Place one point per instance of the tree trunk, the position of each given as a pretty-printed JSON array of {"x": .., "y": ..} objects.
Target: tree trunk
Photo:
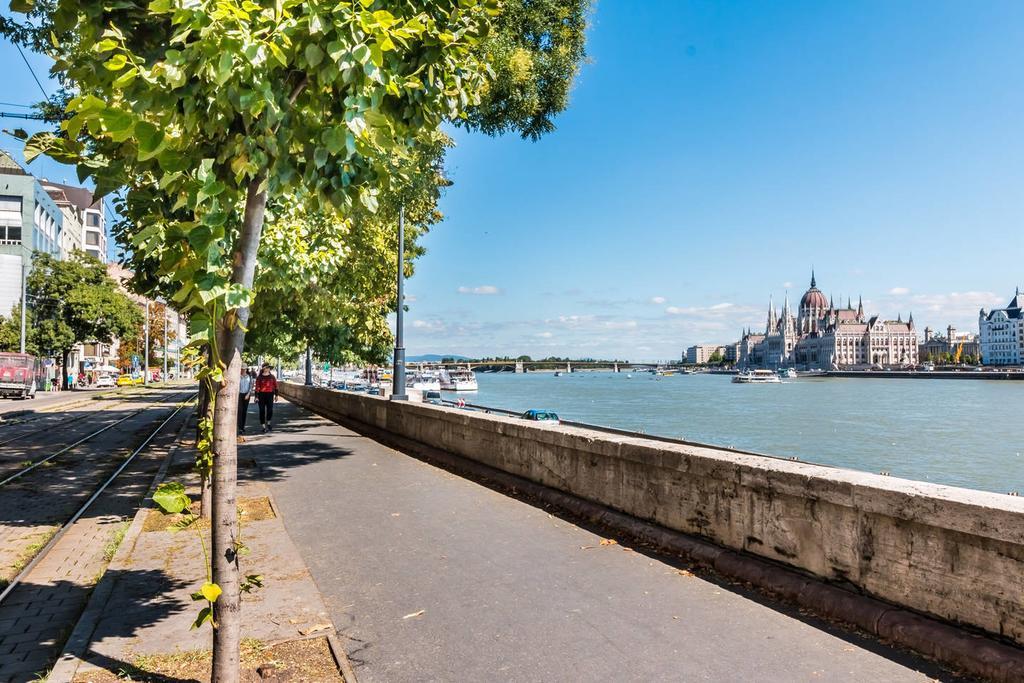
[
  {"x": 230, "y": 341},
  {"x": 64, "y": 364},
  {"x": 205, "y": 493}
]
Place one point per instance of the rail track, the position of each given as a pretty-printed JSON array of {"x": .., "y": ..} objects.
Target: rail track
[
  {"x": 123, "y": 398},
  {"x": 33, "y": 464},
  {"x": 89, "y": 502}
]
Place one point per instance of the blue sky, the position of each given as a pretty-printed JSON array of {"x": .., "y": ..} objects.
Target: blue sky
[{"x": 712, "y": 153}]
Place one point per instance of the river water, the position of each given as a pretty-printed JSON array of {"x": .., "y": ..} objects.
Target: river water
[{"x": 957, "y": 432}]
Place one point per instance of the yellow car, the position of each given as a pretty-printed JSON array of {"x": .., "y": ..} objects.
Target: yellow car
[{"x": 125, "y": 381}]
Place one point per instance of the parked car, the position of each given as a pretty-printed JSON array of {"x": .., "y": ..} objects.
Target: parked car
[
  {"x": 125, "y": 381},
  {"x": 541, "y": 416},
  {"x": 105, "y": 382},
  {"x": 433, "y": 397}
]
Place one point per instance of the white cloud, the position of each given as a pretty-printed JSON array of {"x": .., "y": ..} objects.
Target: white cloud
[
  {"x": 899, "y": 291},
  {"x": 720, "y": 307},
  {"x": 658, "y": 300},
  {"x": 481, "y": 290},
  {"x": 620, "y": 324},
  {"x": 410, "y": 298},
  {"x": 429, "y": 325},
  {"x": 787, "y": 285},
  {"x": 545, "y": 335}
]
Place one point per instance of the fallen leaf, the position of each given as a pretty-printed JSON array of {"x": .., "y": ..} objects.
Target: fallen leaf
[
  {"x": 314, "y": 629},
  {"x": 685, "y": 572},
  {"x": 587, "y": 547},
  {"x": 415, "y": 614},
  {"x": 675, "y": 617},
  {"x": 396, "y": 514},
  {"x": 628, "y": 550},
  {"x": 608, "y": 541}
]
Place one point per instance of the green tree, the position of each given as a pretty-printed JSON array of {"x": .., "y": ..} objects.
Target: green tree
[
  {"x": 75, "y": 301},
  {"x": 716, "y": 358},
  {"x": 10, "y": 332},
  {"x": 207, "y": 111}
]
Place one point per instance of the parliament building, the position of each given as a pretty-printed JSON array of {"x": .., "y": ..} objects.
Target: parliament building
[{"x": 821, "y": 336}]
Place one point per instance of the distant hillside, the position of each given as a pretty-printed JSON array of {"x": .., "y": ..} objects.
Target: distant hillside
[{"x": 433, "y": 357}]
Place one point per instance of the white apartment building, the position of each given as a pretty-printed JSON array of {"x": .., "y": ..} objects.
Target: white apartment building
[
  {"x": 701, "y": 353},
  {"x": 1002, "y": 333}
]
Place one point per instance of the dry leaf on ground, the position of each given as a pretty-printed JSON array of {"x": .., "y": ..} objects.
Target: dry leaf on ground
[
  {"x": 415, "y": 614},
  {"x": 315, "y": 628}
]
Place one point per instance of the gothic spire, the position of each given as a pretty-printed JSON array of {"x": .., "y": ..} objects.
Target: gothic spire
[{"x": 813, "y": 283}]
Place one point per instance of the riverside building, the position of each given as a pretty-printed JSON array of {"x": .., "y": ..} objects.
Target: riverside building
[
  {"x": 1002, "y": 333},
  {"x": 822, "y": 336}
]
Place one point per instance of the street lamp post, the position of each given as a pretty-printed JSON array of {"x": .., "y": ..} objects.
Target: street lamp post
[
  {"x": 24, "y": 299},
  {"x": 164, "y": 376},
  {"x": 398, "y": 371},
  {"x": 145, "y": 350},
  {"x": 309, "y": 366}
]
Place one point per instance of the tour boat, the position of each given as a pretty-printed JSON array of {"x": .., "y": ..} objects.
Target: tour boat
[
  {"x": 756, "y": 377},
  {"x": 788, "y": 373},
  {"x": 423, "y": 381},
  {"x": 458, "y": 380}
]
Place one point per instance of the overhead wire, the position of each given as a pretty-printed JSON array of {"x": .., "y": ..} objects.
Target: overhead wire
[{"x": 32, "y": 71}]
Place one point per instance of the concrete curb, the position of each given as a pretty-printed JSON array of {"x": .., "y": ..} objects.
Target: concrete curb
[
  {"x": 71, "y": 657},
  {"x": 966, "y": 651},
  {"x": 341, "y": 658}
]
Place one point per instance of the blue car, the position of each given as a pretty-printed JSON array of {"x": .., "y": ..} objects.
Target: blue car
[{"x": 541, "y": 416}]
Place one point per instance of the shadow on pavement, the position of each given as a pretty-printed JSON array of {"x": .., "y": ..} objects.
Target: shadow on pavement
[{"x": 37, "y": 619}]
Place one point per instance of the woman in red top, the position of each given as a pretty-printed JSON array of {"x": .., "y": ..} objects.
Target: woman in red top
[{"x": 266, "y": 394}]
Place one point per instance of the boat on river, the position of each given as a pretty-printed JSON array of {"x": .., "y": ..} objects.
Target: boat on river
[
  {"x": 757, "y": 377},
  {"x": 788, "y": 373},
  {"x": 462, "y": 379},
  {"x": 423, "y": 381}
]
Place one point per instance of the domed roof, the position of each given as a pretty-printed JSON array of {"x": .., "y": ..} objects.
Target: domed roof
[{"x": 813, "y": 297}]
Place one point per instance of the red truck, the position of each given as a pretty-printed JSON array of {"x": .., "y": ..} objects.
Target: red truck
[{"x": 21, "y": 375}]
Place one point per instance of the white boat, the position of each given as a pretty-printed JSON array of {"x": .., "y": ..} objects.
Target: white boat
[
  {"x": 458, "y": 380},
  {"x": 423, "y": 381},
  {"x": 756, "y": 377},
  {"x": 788, "y": 373}
]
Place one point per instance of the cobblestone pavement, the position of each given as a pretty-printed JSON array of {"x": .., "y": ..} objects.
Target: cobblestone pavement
[{"x": 39, "y": 613}]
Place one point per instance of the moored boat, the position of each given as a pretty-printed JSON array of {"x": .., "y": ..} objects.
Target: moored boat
[{"x": 458, "y": 380}]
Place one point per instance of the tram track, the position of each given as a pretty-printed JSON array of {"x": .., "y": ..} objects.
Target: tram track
[
  {"x": 60, "y": 533},
  {"x": 63, "y": 423},
  {"x": 34, "y": 463}
]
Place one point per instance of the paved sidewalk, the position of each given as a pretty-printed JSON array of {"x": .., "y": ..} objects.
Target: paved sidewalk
[
  {"x": 432, "y": 577},
  {"x": 146, "y": 620}
]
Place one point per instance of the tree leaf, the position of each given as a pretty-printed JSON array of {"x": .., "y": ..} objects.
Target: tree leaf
[
  {"x": 210, "y": 591},
  {"x": 151, "y": 139},
  {"x": 205, "y": 615},
  {"x": 314, "y": 55},
  {"x": 171, "y": 498}
]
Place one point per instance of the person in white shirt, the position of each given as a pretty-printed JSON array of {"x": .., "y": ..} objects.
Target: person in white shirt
[{"x": 244, "y": 394}]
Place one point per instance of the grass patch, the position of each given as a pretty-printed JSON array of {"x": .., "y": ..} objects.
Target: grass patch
[
  {"x": 297, "y": 661},
  {"x": 249, "y": 510},
  {"x": 115, "y": 540}
]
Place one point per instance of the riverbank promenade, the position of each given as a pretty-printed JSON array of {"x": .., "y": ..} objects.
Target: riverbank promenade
[{"x": 431, "y": 576}]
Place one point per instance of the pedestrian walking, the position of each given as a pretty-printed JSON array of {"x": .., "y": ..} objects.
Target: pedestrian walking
[
  {"x": 244, "y": 394},
  {"x": 266, "y": 394}
]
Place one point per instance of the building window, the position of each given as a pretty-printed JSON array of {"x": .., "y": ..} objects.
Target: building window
[
  {"x": 92, "y": 238},
  {"x": 92, "y": 219},
  {"x": 10, "y": 234}
]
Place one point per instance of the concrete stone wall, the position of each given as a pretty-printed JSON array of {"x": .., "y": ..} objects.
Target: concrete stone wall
[{"x": 953, "y": 553}]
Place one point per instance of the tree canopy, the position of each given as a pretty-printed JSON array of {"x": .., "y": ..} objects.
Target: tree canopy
[{"x": 72, "y": 301}]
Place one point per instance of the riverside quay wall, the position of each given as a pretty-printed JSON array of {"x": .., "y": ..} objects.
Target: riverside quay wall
[{"x": 953, "y": 553}]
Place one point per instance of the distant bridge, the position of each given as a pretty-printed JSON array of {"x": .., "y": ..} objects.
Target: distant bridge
[{"x": 536, "y": 365}]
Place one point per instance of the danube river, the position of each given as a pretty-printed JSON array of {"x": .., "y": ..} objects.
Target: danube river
[{"x": 957, "y": 432}]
